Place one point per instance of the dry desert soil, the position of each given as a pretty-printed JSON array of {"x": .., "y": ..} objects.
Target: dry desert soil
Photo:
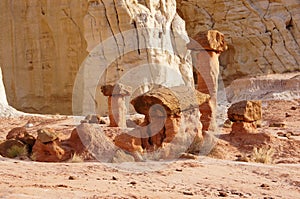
[{"x": 216, "y": 175}]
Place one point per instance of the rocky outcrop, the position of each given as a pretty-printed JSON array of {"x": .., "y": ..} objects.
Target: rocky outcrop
[
  {"x": 116, "y": 103},
  {"x": 43, "y": 44},
  {"x": 245, "y": 115},
  {"x": 247, "y": 111},
  {"x": 18, "y": 143},
  {"x": 41, "y": 48},
  {"x": 263, "y": 36},
  {"x": 207, "y": 47},
  {"x": 142, "y": 45},
  {"x": 5, "y": 109},
  {"x": 172, "y": 123},
  {"x": 270, "y": 87}
]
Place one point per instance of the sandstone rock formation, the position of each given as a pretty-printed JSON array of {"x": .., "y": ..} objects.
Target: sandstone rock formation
[
  {"x": 142, "y": 44},
  {"x": 43, "y": 43},
  {"x": 18, "y": 143},
  {"x": 21, "y": 134},
  {"x": 12, "y": 148},
  {"x": 269, "y": 87},
  {"x": 42, "y": 47},
  {"x": 247, "y": 111},
  {"x": 116, "y": 103},
  {"x": 207, "y": 47},
  {"x": 244, "y": 116},
  {"x": 263, "y": 36},
  {"x": 49, "y": 152},
  {"x": 5, "y": 109},
  {"x": 172, "y": 122}
]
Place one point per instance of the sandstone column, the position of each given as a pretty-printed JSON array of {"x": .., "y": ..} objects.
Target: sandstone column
[
  {"x": 116, "y": 103},
  {"x": 208, "y": 46}
]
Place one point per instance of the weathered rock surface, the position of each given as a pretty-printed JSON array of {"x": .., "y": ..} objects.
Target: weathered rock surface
[
  {"x": 46, "y": 135},
  {"x": 245, "y": 115},
  {"x": 74, "y": 144},
  {"x": 245, "y": 111},
  {"x": 96, "y": 142},
  {"x": 172, "y": 122},
  {"x": 5, "y": 109},
  {"x": 42, "y": 47},
  {"x": 175, "y": 100},
  {"x": 117, "y": 110},
  {"x": 49, "y": 152},
  {"x": 8, "y": 147},
  {"x": 243, "y": 127},
  {"x": 263, "y": 36},
  {"x": 43, "y": 44},
  {"x": 207, "y": 47},
  {"x": 269, "y": 87},
  {"x": 21, "y": 134},
  {"x": 211, "y": 40}
]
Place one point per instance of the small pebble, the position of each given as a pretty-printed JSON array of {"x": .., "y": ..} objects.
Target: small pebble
[
  {"x": 223, "y": 194},
  {"x": 264, "y": 185},
  {"x": 133, "y": 183},
  {"x": 293, "y": 108},
  {"x": 188, "y": 193},
  {"x": 71, "y": 178}
]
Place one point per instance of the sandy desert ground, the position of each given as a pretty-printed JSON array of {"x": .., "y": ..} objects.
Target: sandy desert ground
[{"x": 214, "y": 176}]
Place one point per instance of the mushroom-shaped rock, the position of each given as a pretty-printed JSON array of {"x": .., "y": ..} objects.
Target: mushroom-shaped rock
[
  {"x": 116, "y": 103},
  {"x": 172, "y": 119},
  {"x": 174, "y": 100},
  {"x": 208, "y": 46}
]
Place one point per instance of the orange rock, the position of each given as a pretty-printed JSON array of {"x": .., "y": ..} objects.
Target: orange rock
[
  {"x": 243, "y": 128},
  {"x": 211, "y": 40},
  {"x": 49, "y": 152},
  {"x": 116, "y": 103},
  {"x": 208, "y": 45},
  {"x": 73, "y": 144},
  {"x": 245, "y": 111},
  {"x": 128, "y": 143}
]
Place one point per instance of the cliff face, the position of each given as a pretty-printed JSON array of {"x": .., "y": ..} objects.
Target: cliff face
[
  {"x": 263, "y": 35},
  {"x": 44, "y": 42},
  {"x": 41, "y": 49}
]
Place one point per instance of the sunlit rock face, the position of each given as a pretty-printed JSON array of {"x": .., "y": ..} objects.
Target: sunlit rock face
[
  {"x": 44, "y": 43},
  {"x": 41, "y": 49},
  {"x": 263, "y": 35}
]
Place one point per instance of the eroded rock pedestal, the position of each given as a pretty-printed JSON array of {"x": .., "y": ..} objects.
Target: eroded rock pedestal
[
  {"x": 208, "y": 46},
  {"x": 245, "y": 115},
  {"x": 116, "y": 103},
  {"x": 172, "y": 122}
]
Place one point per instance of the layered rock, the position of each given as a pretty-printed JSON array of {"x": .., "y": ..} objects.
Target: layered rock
[
  {"x": 140, "y": 44},
  {"x": 41, "y": 49},
  {"x": 207, "y": 47},
  {"x": 172, "y": 122},
  {"x": 263, "y": 36},
  {"x": 245, "y": 115},
  {"x": 269, "y": 87},
  {"x": 43, "y": 44},
  {"x": 116, "y": 103}
]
